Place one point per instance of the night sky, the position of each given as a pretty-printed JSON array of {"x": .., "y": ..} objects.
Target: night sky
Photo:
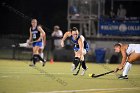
[
  {"x": 48, "y": 13},
  {"x": 131, "y": 6}
]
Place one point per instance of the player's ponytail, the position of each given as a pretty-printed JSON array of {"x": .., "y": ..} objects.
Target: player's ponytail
[
  {"x": 118, "y": 44},
  {"x": 74, "y": 29}
]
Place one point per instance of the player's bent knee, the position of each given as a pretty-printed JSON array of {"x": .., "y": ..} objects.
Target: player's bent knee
[
  {"x": 131, "y": 60},
  {"x": 84, "y": 52},
  {"x": 77, "y": 55},
  {"x": 82, "y": 58}
]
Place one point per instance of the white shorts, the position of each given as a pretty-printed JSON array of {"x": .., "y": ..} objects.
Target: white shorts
[
  {"x": 84, "y": 52},
  {"x": 57, "y": 42},
  {"x": 137, "y": 48},
  {"x": 133, "y": 48}
]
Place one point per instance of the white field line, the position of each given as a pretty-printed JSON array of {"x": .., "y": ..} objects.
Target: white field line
[
  {"x": 5, "y": 76},
  {"x": 33, "y": 73},
  {"x": 48, "y": 73},
  {"x": 90, "y": 90}
]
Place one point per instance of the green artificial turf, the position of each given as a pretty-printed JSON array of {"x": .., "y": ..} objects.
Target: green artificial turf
[{"x": 17, "y": 77}]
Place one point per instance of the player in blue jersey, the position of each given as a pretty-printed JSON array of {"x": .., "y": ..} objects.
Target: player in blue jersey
[
  {"x": 36, "y": 35},
  {"x": 81, "y": 47}
]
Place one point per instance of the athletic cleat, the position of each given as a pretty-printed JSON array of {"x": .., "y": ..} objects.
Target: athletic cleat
[
  {"x": 31, "y": 65},
  {"x": 41, "y": 61},
  {"x": 83, "y": 72},
  {"x": 43, "y": 64},
  {"x": 123, "y": 77},
  {"x": 73, "y": 68}
]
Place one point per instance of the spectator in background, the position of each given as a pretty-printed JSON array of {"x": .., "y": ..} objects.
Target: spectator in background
[
  {"x": 73, "y": 12},
  {"x": 121, "y": 13},
  {"x": 57, "y": 34},
  {"x": 112, "y": 14}
]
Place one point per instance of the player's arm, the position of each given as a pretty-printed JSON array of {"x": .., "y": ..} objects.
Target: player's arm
[
  {"x": 124, "y": 57},
  {"x": 42, "y": 33},
  {"x": 81, "y": 44},
  {"x": 30, "y": 37},
  {"x": 67, "y": 34},
  {"x": 53, "y": 34},
  {"x": 44, "y": 40}
]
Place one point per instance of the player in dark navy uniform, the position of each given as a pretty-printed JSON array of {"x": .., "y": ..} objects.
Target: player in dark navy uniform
[
  {"x": 36, "y": 35},
  {"x": 81, "y": 47}
]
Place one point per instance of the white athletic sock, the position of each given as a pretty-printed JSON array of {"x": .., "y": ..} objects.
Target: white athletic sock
[
  {"x": 126, "y": 68},
  {"x": 42, "y": 55}
]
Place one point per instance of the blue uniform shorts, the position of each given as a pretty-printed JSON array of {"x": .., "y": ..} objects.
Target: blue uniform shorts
[
  {"x": 39, "y": 43},
  {"x": 77, "y": 48}
]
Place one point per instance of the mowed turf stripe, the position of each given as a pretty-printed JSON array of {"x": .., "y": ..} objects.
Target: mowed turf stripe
[
  {"x": 48, "y": 72},
  {"x": 33, "y": 73},
  {"x": 90, "y": 90}
]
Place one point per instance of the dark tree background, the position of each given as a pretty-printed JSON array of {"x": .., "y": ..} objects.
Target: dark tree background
[
  {"x": 132, "y": 7},
  {"x": 48, "y": 13}
]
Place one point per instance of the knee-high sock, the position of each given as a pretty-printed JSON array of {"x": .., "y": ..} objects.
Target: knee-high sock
[
  {"x": 76, "y": 61},
  {"x": 34, "y": 58},
  {"x": 42, "y": 55},
  {"x": 126, "y": 68},
  {"x": 84, "y": 64},
  {"x": 39, "y": 57}
]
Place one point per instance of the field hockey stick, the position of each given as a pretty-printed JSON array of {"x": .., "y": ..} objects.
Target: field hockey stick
[
  {"x": 95, "y": 76},
  {"x": 78, "y": 70},
  {"x": 23, "y": 44},
  {"x": 26, "y": 44},
  {"x": 33, "y": 42}
]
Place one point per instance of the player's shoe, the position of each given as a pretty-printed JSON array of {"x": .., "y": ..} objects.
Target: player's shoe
[
  {"x": 73, "y": 68},
  {"x": 123, "y": 77},
  {"x": 83, "y": 72},
  {"x": 43, "y": 63},
  {"x": 31, "y": 65}
]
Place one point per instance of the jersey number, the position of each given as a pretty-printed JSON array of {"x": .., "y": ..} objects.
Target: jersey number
[{"x": 34, "y": 36}]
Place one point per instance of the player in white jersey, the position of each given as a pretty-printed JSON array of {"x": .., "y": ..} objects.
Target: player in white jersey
[{"x": 130, "y": 53}]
